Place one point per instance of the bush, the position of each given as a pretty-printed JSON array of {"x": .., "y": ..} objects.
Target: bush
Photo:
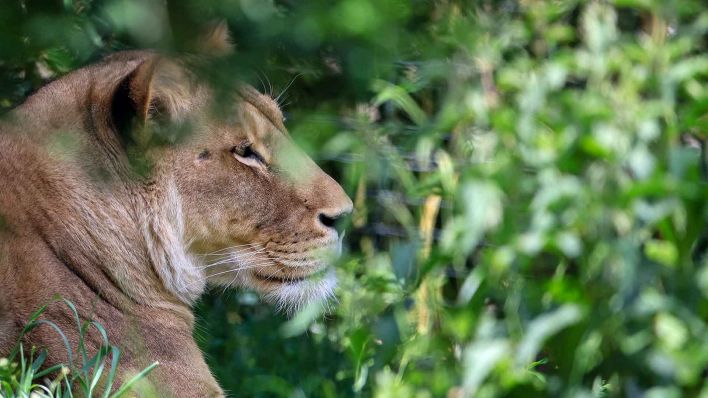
[{"x": 529, "y": 181}]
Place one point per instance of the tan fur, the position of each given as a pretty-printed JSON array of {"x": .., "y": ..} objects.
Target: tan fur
[{"x": 134, "y": 251}]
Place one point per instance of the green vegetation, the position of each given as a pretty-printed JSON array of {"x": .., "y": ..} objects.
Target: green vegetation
[
  {"x": 529, "y": 180},
  {"x": 89, "y": 375}
]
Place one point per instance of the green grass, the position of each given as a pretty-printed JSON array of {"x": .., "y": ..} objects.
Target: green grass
[{"x": 24, "y": 374}]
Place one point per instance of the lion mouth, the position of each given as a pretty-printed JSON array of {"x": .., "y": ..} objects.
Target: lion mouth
[
  {"x": 278, "y": 279},
  {"x": 288, "y": 279}
]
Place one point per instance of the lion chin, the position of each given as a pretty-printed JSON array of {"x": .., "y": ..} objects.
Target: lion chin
[
  {"x": 289, "y": 285},
  {"x": 291, "y": 296}
]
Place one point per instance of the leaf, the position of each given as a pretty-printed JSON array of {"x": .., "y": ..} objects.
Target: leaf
[
  {"x": 399, "y": 97},
  {"x": 543, "y": 327},
  {"x": 480, "y": 358},
  {"x": 127, "y": 386}
]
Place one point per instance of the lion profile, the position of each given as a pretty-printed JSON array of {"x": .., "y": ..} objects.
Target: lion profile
[{"x": 234, "y": 202}]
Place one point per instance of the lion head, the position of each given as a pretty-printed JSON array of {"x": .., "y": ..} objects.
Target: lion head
[{"x": 239, "y": 203}]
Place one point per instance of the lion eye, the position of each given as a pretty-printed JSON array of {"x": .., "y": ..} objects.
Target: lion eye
[{"x": 246, "y": 154}]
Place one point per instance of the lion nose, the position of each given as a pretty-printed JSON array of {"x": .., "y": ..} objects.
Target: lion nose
[{"x": 329, "y": 218}]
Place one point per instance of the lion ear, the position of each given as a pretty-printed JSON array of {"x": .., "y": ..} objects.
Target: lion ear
[
  {"x": 216, "y": 40},
  {"x": 133, "y": 100}
]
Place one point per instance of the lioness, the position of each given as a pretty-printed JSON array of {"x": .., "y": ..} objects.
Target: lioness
[{"x": 233, "y": 203}]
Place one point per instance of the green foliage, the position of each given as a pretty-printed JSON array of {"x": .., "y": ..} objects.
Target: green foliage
[
  {"x": 91, "y": 375},
  {"x": 529, "y": 220}
]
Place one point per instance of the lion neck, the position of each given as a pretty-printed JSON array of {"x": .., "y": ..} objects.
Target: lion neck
[
  {"x": 123, "y": 237},
  {"x": 130, "y": 234},
  {"x": 163, "y": 233}
]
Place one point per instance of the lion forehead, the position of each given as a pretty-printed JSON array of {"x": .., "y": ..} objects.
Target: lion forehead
[{"x": 263, "y": 104}]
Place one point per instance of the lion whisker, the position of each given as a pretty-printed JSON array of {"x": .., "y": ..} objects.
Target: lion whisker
[
  {"x": 246, "y": 246},
  {"x": 237, "y": 252},
  {"x": 256, "y": 265},
  {"x": 258, "y": 75},
  {"x": 231, "y": 259},
  {"x": 287, "y": 87},
  {"x": 224, "y": 261},
  {"x": 270, "y": 86},
  {"x": 234, "y": 270},
  {"x": 234, "y": 255}
]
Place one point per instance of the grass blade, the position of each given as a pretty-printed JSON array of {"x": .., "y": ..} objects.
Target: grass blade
[{"x": 129, "y": 385}]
